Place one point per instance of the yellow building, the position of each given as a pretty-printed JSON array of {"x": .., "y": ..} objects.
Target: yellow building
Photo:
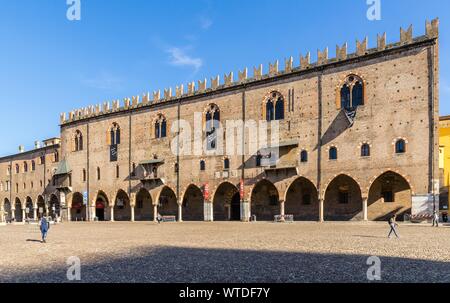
[{"x": 444, "y": 161}]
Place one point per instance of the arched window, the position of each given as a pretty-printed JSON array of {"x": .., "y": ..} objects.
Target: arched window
[
  {"x": 365, "y": 150},
  {"x": 333, "y": 153},
  {"x": 25, "y": 167},
  {"x": 275, "y": 107},
  {"x": 17, "y": 168},
  {"x": 78, "y": 141},
  {"x": 352, "y": 92},
  {"x": 160, "y": 127},
  {"x": 400, "y": 146},
  {"x": 33, "y": 165},
  {"x": 304, "y": 156},
  {"x": 212, "y": 124},
  {"x": 56, "y": 156},
  {"x": 202, "y": 165},
  {"x": 115, "y": 134},
  {"x": 226, "y": 164}
]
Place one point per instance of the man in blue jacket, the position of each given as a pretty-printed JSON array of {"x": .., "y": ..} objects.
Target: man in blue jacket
[{"x": 44, "y": 226}]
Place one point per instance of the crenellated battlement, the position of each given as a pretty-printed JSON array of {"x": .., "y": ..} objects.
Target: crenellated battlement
[{"x": 362, "y": 49}]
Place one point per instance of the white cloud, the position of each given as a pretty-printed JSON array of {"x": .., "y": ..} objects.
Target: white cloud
[
  {"x": 205, "y": 22},
  {"x": 178, "y": 57},
  {"x": 104, "y": 81}
]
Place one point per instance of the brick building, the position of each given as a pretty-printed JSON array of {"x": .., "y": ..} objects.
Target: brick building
[{"x": 356, "y": 140}]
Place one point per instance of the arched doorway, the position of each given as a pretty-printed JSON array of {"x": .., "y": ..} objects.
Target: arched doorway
[
  {"x": 55, "y": 207},
  {"x": 29, "y": 209},
  {"x": 193, "y": 204},
  {"x": 390, "y": 194},
  {"x": 343, "y": 200},
  {"x": 101, "y": 207},
  {"x": 122, "y": 207},
  {"x": 144, "y": 206},
  {"x": 42, "y": 210},
  {"x": 265, "y": 202},
  {"x": 78, "y": 209},
  {"x": 167, "y": 203},
  {"x": 8, "y": 210},
  {"x": 227, "y": 203},
  {"x": 18, "y": 215},
  {"x": 302, "y": 201}
]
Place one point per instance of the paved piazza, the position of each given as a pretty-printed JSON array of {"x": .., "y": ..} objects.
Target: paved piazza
[{"x": 225, "y": 252}]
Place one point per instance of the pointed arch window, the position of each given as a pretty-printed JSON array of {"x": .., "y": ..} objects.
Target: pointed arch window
[
  {"x": 17, "y": 168},
  {"x": 333, "y": 153},
  {"x": 352, "y": 92},
  {"x": 202, "y": 165},
  {"x": 33, "y": 165},
  {"x": 275, "y": 107},
  {"x": 226, "y": 164},
  {"x": 78, "y": 141},
  {"x": 160, "y": 127},
  {"x": 212, "y": 124},
  {"x": 25, "y": 167},
  {"x": 115, "y": 134}
]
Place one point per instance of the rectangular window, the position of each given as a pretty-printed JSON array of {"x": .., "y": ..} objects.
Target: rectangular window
[{"x": 343, "y": 197}]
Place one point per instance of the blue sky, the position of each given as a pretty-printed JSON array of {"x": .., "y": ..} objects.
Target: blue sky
[{"x": 119, "y": 48}]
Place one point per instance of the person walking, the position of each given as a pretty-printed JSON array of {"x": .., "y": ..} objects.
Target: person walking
[
  {"x": 393, "y": 226},
  {"x": 44, "y": 226},
  {"x": 159, "y": 218},
  {"x": 436, "y": 219}
]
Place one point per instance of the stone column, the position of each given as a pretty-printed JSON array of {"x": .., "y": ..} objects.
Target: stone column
[
  {"x": 35, "y": 213},
  {"x": 2, "y": 214},
  {"x": 180, "y": 213},
  {"x": 282, "y": 211},
  {"x": 321, "y": 210},
  {"x": 155, "y": 213},
  {"x": 93, "y": 214},
  {"x": 132, "y": 213},
  {"x": 24, "y": 214},
  {"x": 69, "y": 211},
  {"x": 112, "y": 214},
  {"x": 208, "y": 211},
  {"x": 245, "y": 211},
  {"x": 365, "y": 211},
  {"x": 13, "y": 214}
]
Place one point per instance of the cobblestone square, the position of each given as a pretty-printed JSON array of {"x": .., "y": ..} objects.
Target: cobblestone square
[{"x": 224, "y": 252}]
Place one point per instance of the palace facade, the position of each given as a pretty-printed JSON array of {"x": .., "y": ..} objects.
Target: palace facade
[{"x": 358, "y": 140}]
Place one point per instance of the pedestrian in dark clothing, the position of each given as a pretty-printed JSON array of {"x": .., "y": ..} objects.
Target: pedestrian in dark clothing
[
  {"x": 393, "y": 226},
  {"x": 44, "y": 226}
]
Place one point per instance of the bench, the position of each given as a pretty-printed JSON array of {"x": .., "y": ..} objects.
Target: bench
[
  {"x": 169, "y": 219},
  {"x": 285, "y": 218},
  {"x": 419, "y": 218}
]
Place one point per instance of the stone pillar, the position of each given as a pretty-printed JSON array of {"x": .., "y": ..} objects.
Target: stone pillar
[
  {"x": 112, "y": 214},
  {"x": 2, "y": 214},
  {"x": 35, "y": 213},
  {"x": 208, "y": 211},
  {"x": 245, "y": 211},
  {"x": 69, "y": 211},
  {"x": 282, "y": 212},
  {"x": 132, "y": 213},
  {"x": 24, "y": 214},
  {"x": 155, "y": 213},
  {"x": 93, "y": 214},
  {"x": 180, "y": 213},
  {"x": 321, "y": 211},
  {"x": 13, "y": 214},
  {"x": 365, "y": 210}
]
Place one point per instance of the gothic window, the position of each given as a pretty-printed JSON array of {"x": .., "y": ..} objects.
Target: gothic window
[
  {"x": 25, "y": 167},
  {"x": 17, "y": 168},
  {"x": 365, "y": 150},
  {"x": 275, "y": 107},
  {"x": 78, "y": 141},
  {"x": 212, "y": 124},
  {"x": 304, "y": 156},
  {"x": 56, "y": 157},
  {"x": 114, "y": 134},
  {"x": 33, "y": 165},
  {"x": 160, "y": 127},
  {"x": 42, "y": 160},
  {"x": 400, "y": 146},
  {"x": 202, "y": 165},
  {"x": 352, "y": 92},
  {"x": 333, "y": 153}
]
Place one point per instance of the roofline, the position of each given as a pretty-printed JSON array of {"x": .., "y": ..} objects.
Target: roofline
[
  {"x": 267, "y": 79},
  {"x": 10, "y": 157}
]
